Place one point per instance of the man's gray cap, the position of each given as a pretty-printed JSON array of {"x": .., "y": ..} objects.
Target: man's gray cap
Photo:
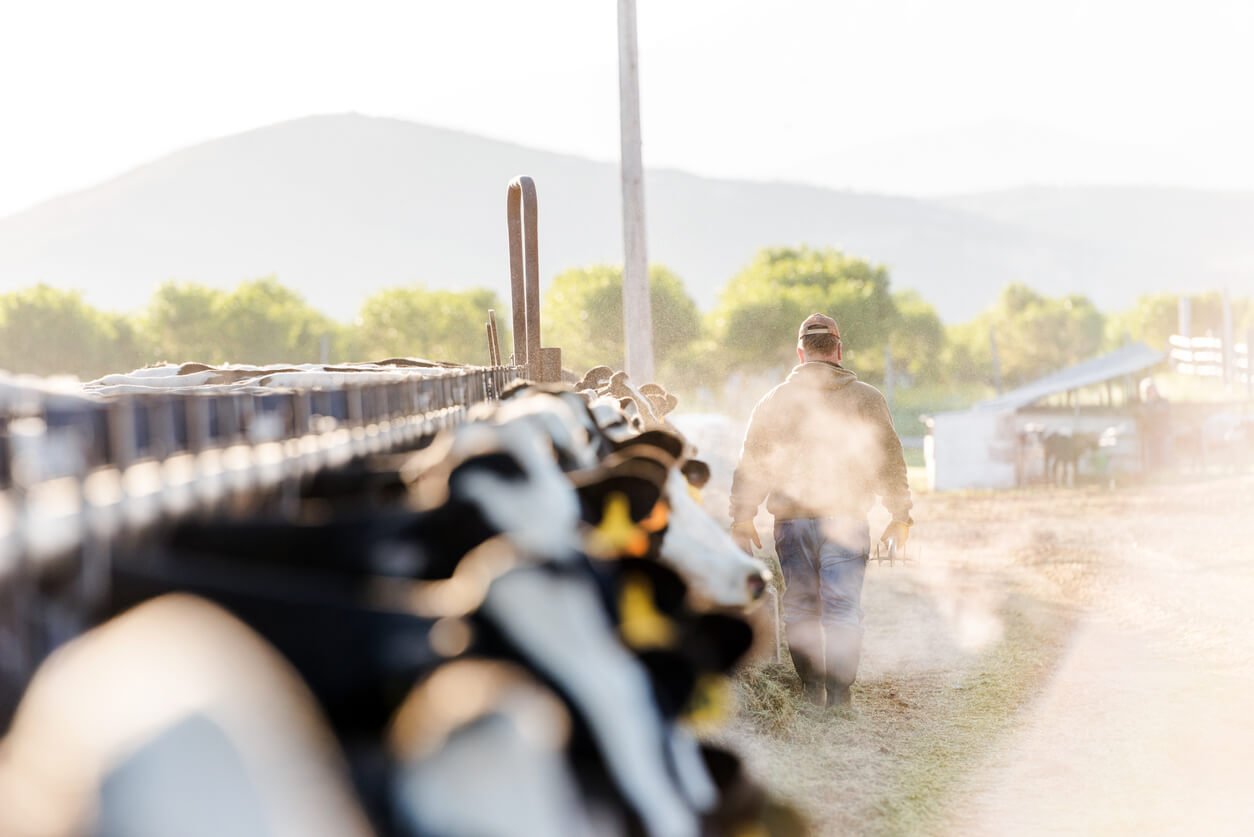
[{"x": 818, "y": 324}]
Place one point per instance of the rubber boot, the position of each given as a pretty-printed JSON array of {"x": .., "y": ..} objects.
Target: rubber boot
[
  {"x": 843, "y": 652},
  {"x": 812, "y": 684},
  {"x": 805, "y": 646}
]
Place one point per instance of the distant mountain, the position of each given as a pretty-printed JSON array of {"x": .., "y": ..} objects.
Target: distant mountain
[
  {"x": 980, "y": 157},
  {"x": 1139, "y": 237},
  {"x": 340, "y": 206}
]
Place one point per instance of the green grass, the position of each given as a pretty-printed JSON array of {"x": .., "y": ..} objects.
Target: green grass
[{"x": 896, "y": 764}]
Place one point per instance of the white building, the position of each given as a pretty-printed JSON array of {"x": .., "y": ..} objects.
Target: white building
[{"x": 996, "y": 443}]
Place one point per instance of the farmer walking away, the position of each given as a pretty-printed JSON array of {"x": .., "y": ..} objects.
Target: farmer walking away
[{"x": 819, "y": 448}]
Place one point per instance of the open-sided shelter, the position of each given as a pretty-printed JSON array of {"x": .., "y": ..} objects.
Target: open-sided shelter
[{"x": 997, "y": 443}]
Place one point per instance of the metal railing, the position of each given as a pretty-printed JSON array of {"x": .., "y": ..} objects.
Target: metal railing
[
  {"x": 80, "y": 477},
  {"x": 68, "y": 463}
]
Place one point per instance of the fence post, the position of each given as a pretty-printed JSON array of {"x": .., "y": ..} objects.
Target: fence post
[
  {"x": 1249, "y": 364},
  {"x": 524, "y": 266},
  {"x": 494, "y": 340},
  {"x": 1229, "y": 355}
]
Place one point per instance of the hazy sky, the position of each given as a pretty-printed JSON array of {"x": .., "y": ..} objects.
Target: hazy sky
[{"x": 909, "y": 96}]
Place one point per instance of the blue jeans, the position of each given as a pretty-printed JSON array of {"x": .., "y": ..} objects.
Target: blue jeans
[{"x": 824, "y": 563}]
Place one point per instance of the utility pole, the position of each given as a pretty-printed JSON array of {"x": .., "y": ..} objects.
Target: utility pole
[{"x": 637, "y": 316}]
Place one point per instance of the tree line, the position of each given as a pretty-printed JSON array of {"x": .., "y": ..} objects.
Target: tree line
[
  {"x": 49, "y": 331},
  {"x": 1022, "y": 335}
]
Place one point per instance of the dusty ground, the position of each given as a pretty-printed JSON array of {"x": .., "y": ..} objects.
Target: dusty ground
[{"x": 1058, "y": 661}]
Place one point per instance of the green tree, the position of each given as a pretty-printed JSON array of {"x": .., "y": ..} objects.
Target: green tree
[
  {"x": 917, "y": 339},
  {"x": 1034, "y": 335},
  {"x": 439, "y": 325},
  {"x": 257, "y": 321},
  {"x": 582, "y": 312},
  {"x": 756, "y": 319},
  {"x": 261, "y": 321},
  {"x": 48, "y": 331},
  {"x": 181, "y": 323}
]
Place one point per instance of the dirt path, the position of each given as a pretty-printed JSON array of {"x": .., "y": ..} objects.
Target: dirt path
[
  {"x": 1147, "y": 726},
  {"x": 1058, "y": 662}
]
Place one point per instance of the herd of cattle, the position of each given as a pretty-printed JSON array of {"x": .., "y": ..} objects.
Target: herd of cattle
[{"x": 521, "y": 628}]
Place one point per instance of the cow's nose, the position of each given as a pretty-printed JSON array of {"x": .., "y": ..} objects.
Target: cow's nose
[{"x": 757, "y": 586}]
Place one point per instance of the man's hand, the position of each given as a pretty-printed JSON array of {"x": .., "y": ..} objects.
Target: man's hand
[
  {"x": 898, "y": 533},
  {"x": 744, "y": 534}
]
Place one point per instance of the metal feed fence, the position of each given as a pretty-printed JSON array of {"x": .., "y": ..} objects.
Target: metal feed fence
[
  {"x": 97, "y": 466},
  {"x": 79, "y": 476}
]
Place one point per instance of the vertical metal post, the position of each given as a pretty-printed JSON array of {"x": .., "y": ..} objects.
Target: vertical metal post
[
  {"x": 637, "y": 315},
  {"x": 1184, "y": 316},
  {"x": 517, "y": 286},
  {"x": 524, "y": 265},
  {"x": 1229, "y": 348},
  {"x": 1249, "y": 364},
  {"x": 121, "y": 428},
  {"x": 524, "y": 270},
  {"x": 494, "y": 340}
]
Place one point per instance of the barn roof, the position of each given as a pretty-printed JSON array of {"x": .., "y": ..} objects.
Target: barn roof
[{"x": 1127, "y": 360}]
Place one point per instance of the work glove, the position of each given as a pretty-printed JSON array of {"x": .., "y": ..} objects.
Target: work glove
[
  {"x": 898, "y": 533},
  {"x": 745, "y": 533}
]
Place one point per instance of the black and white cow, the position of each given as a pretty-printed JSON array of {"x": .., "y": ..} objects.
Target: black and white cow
[
  {"x": 717, "y": 571},
  {"x": 474, "y": 553},
  {"x": 495, "y": 494}
]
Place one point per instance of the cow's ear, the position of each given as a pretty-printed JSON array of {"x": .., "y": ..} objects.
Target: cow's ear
[
  {"x": 697, "y": 473},
  {"x": 641, "y": 493},
  {"x": 662, "y": 439},
  {"x": 595, "y": 378},
  {"x": 520, "y": 387}
]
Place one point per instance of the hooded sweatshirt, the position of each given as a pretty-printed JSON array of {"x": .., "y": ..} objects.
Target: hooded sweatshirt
[{"x": 820, "y": 444}]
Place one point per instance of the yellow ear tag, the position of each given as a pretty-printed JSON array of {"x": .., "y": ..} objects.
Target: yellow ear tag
[
  {"x": 659, "y": 517},
  {"x": 639, "y": 622},
  {"x": 710, "y": 704},
  {"x": 617, "y": 534},
  {"x": 694, "y": 492}
]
